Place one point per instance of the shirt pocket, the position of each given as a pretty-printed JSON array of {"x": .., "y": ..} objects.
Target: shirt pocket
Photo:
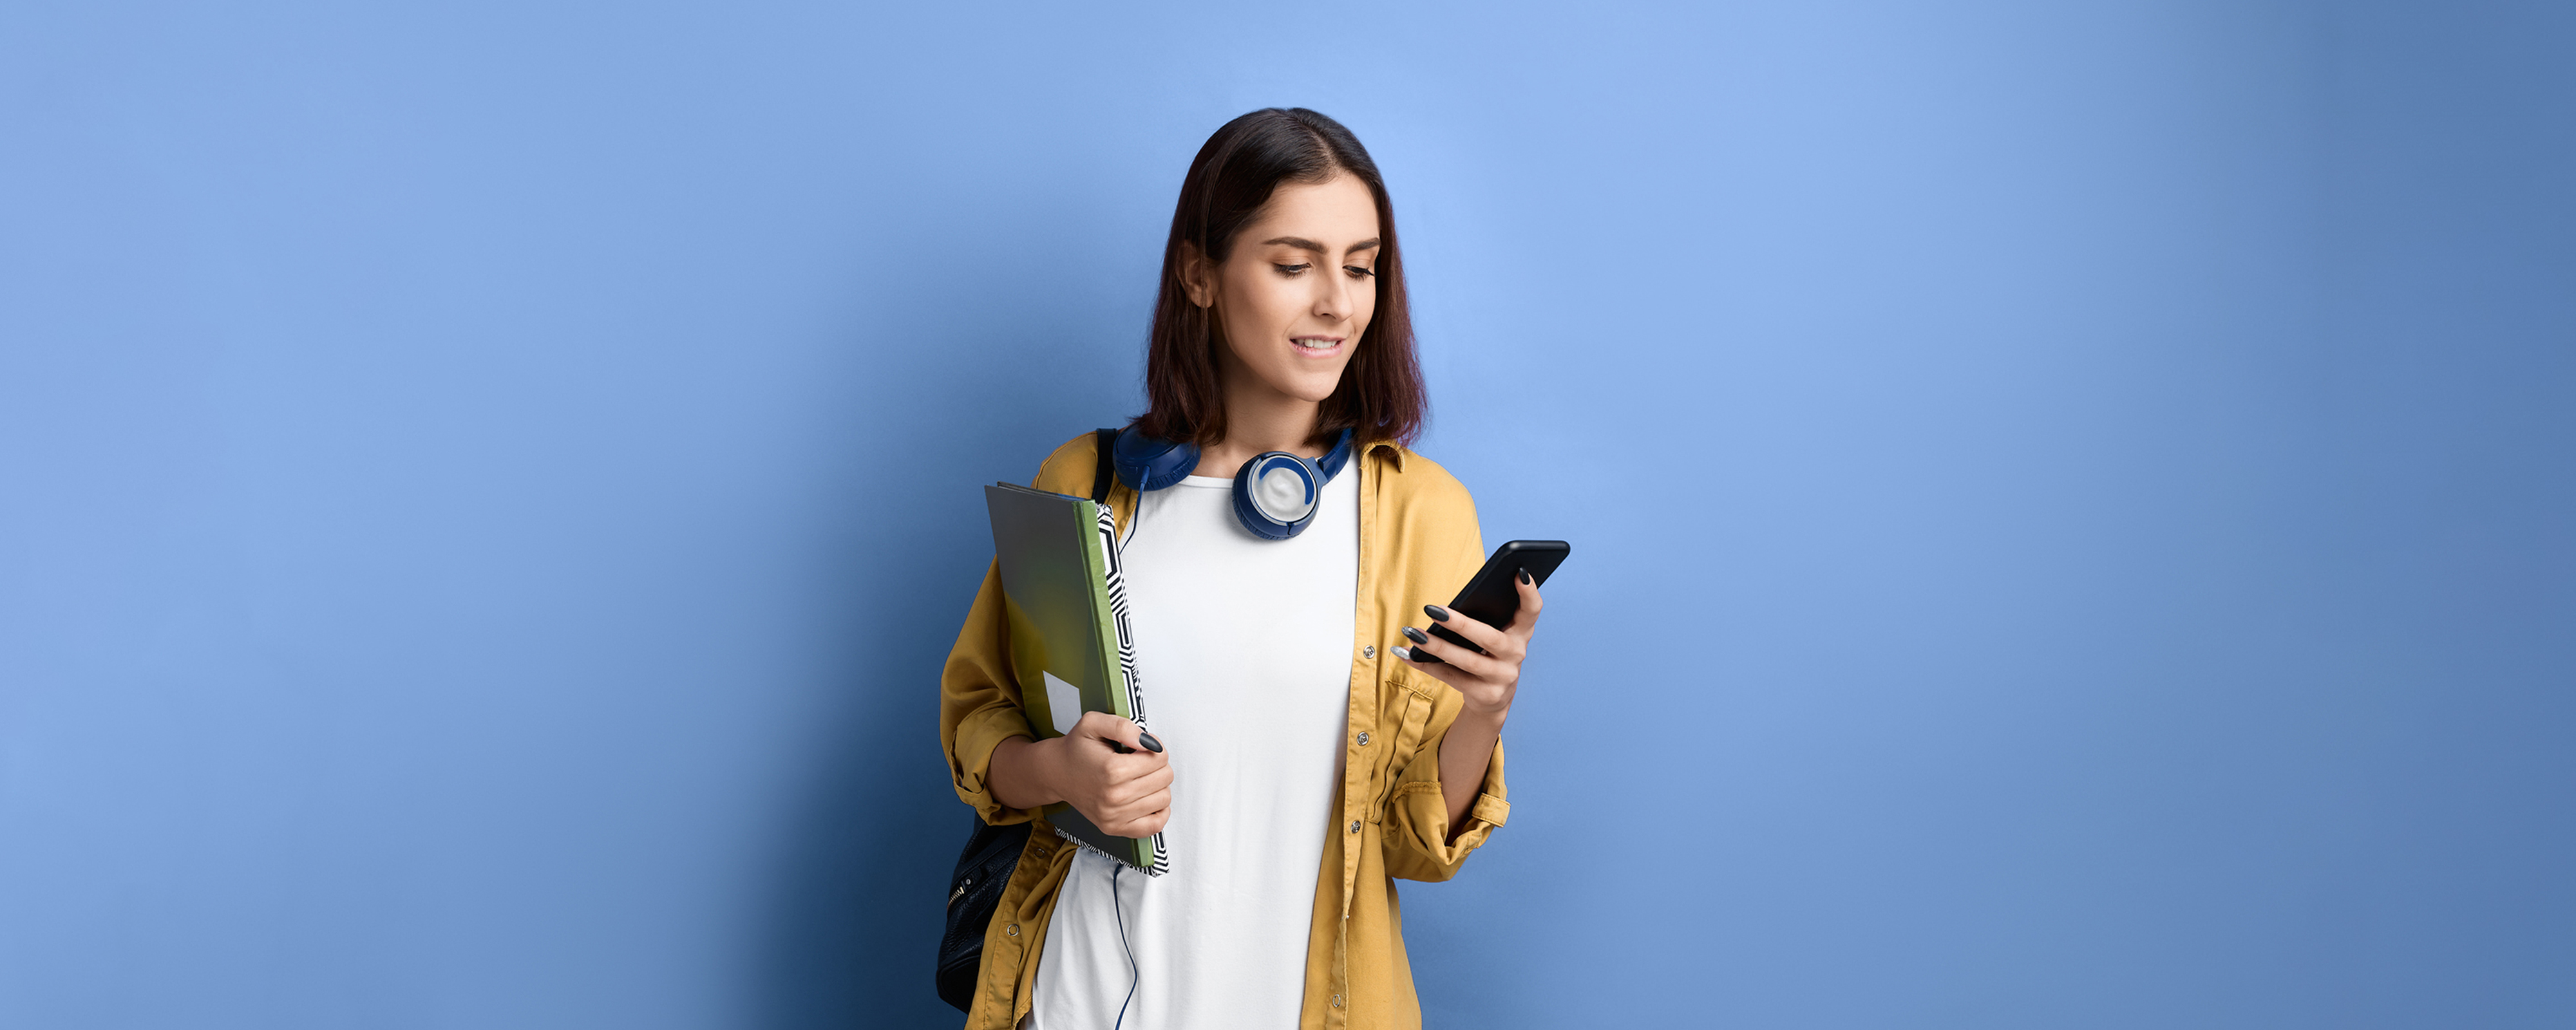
[{"x": 1403, "y": 713}]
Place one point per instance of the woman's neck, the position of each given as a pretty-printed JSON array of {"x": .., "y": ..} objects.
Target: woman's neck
[{"x": 1258, "y": 420}]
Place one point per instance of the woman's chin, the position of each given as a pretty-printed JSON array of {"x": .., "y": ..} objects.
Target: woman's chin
[
  {"x": 1316, "y": 389},
  {"x": 1304, "y": 381}
]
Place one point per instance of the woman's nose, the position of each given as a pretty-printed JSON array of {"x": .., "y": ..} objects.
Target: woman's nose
[{"x": 1335, "y": 303}]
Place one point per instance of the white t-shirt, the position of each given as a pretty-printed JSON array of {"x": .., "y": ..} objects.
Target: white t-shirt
[{"x": 1244, "y": 649}]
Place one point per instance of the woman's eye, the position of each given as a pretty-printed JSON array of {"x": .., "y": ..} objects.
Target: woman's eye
[
  {"x": 1359, "y": 273},
  {"x": 1291, "y": 269}
]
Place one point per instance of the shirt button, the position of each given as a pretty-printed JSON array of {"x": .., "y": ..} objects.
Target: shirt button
[
  {"x": 1012, "y": 930},
  {"x": 1337, "y": 1001},
  {"x": 1355, "y": 826},
  {"x": 1363, "y": 738},
  {"x": 1368, "y": 650}
]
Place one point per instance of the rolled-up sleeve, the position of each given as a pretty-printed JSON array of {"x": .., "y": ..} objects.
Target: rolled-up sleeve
[
  {"x": 1417, "y": 840},
  {"x": 979, "y": 703}
]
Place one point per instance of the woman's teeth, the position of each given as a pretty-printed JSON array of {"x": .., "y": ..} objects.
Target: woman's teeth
[{"x": 1314, "y": 344}]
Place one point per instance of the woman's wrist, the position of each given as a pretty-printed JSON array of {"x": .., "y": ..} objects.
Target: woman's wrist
[
  {"x": 1486, "y": 718},
  {"x": 1024, "y": 773}
]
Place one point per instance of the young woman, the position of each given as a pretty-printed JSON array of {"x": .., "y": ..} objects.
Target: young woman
[{"x": 1307, "y": 757}]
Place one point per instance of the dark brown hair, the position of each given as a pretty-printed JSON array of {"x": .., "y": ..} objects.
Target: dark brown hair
[{"x": 1232, "y": 178}]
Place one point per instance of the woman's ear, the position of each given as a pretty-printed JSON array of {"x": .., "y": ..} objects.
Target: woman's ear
[{"x": 1198, "y": 275}]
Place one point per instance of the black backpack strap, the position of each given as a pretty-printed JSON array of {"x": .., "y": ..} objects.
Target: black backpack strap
[{"x": 1107, "y": 472}]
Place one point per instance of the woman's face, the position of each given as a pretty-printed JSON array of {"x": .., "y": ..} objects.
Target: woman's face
[{"x": 1296, "y": 293}]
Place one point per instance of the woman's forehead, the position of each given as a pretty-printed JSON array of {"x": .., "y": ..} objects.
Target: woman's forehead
[{"x": 1336, "y": 213}]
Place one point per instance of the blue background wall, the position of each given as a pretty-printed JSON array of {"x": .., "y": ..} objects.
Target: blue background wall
[{"x": 2075, "y": 504}]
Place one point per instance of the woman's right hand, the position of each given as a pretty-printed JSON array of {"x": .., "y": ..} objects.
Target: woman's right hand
[{"x": 1127, "y": 795}]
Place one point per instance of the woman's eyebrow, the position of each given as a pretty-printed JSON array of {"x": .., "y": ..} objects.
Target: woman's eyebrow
[{"x": 1303, "y": 243}]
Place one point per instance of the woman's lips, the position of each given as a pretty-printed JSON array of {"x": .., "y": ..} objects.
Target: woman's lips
[{"x": 1317, "y": 346}]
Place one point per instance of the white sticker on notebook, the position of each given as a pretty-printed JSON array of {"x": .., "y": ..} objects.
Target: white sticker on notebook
[{"x": 1064, "y": 703}]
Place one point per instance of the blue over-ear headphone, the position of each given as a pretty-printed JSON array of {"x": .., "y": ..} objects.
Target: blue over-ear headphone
[{"x": 1275, "y": 493}]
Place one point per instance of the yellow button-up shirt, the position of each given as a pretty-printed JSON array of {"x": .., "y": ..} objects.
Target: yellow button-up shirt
[{"x": 1418, "y": 544}]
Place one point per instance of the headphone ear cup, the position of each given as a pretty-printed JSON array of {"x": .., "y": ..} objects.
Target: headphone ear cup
[
  {"x": 1145, "y": 463},
  {"x": 1276, "y": 495}
]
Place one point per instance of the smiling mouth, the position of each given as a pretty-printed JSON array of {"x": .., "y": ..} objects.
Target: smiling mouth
[{"x": 1317, "y": 345}]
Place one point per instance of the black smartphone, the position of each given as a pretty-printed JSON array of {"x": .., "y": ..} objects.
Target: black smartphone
[{"x": 1492, "y": 598}]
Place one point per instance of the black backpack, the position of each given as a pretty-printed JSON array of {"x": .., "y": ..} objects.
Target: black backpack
[{"x": 992, "y": 852}]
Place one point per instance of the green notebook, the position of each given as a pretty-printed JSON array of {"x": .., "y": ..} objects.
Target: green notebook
[{"x": 1067, "y": 608}]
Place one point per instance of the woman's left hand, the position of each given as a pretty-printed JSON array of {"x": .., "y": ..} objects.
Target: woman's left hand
[{"x": 1488, "y": 679}]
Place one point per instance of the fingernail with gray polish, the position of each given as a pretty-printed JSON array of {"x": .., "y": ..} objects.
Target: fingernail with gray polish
[
  {"x": 1150, "y": 743},
  {"x": 1437, "y": 613},
  {"x": 1415, "y": 635}
]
